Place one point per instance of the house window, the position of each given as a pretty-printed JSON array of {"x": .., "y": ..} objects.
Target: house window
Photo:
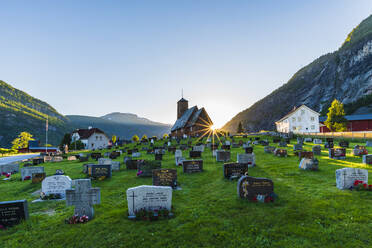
[
  {"x": 294, "y": 128},
  {"x": 100, "y": 137},
  {"x": 313, "y": 127},
  {"x": 293, "y": 119},
  {"x": 299, "y": 118},
  {"x": 302, "y": 111},
  {"x": 312, "y": 118},
  {"x": 96, "y": 137}
]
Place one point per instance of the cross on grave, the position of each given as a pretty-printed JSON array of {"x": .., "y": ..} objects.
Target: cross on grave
[
  {"x": 133, "y": 196},
  {"x": 83, "y": 197}
]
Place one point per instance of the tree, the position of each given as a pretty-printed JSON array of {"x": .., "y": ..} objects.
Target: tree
[
  {"x": 336, "y": 121},
  {"x": 65, "y": 141},
  {"x": 165, "y": 136},
  {"x": 113, "y": 139},
  {"x": 77, "y": 145},
  {"x": 240, "y": 128},
  {"x": 144, "y": 137},
  {"x": 22, "y": 140},
  {"x": 135, "y": 138}
]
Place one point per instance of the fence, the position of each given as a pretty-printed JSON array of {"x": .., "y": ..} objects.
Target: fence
[{"x": 348, "y": 135}]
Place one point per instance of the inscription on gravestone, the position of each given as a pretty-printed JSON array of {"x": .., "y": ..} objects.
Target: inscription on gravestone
[
  {"x": 192, "y": 166},
  {"x": 234, "y": 170},
  {"x": 250, "y": 187},
  {"x": 13, "y": 212},
  {"x": 164, "y": 177}
]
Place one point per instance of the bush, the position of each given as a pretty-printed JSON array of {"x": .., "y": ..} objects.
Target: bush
[{"x": 79, "y": 145}]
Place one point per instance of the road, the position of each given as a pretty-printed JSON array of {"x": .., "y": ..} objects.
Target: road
[{"x": 12, "y": 159}]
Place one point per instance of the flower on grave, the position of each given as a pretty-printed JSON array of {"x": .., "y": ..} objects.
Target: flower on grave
[
  {"x": 8, "y": 175},
  {"x": 2, "y": 227},
  {"x": 139, "y": 173},
  {"x": 42, "y": 196},
  {"x": 3, "y": 173},
  {"x": 254, "y": 199},
  {"x": 27, "y": 178},
  {"x": 365, "y": 185}
]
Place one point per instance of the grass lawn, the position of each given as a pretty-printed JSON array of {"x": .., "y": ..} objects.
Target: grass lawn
[{"x": 309, "y": 212}]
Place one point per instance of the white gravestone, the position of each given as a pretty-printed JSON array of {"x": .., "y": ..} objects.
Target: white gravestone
[
  {"x": 346, "y": 177},
  {"x": 136, "y": 155},
  {"x": 317, "y": 141},
  {"x": 104, "y": 161},
  {"x": 178, "y": 153},
  {"x": 115, "y": 165},
  {"x": 56, "y": 185},
  {"x": 149, "y": 198},
  {"x": 246, "y": 158},
  {"x": 179, "y": 160},
  {"x": 83, "y": 197},
  {"x": 198, "y": 148},
  {"x": 28, "y": 171},
  {"x": 9, "y": 168}
]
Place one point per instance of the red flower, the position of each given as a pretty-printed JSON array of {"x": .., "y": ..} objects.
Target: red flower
[
  {"x": 365, "y": 185},
  {"x": 27, "y": 178},
  {"x": 254, "y": 199},
  {"x": 356, "y": 183}
]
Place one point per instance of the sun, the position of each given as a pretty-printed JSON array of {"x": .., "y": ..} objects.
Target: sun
[{"x": 212, "y": 127}]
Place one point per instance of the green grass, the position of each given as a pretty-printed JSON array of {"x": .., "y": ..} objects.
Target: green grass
[{"x": 310, "y": 210}]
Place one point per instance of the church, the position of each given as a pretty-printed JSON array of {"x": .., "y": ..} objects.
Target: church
[{"x": 192, "y": 122}]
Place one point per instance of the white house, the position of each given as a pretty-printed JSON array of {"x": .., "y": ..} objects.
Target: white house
[
  {"x": 92, "y": 138},
  {"x": 300, "y": 120}
]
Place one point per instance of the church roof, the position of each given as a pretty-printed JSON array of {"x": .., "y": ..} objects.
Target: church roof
[
  {"x": 182, "y": 100},
  {"x": 195, "y": 117},
  {"x": 182, "y": 121}
]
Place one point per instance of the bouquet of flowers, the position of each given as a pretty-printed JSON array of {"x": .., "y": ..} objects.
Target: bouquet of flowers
[
  {"x": 360, "y": 185},
  {"x": 75, "y": 219}
]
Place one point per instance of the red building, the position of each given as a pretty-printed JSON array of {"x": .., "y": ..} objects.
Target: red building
[{"x": 354, "y": 123}]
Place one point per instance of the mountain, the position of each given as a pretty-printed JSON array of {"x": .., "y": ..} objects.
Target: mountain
[
  {"x": 345, "y": 74},
  {"x": 22, "y": 112},
  {"x": 121, "y": 125}
]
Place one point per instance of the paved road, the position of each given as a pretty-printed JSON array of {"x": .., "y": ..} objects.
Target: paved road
[{"x": 12, "y": 159}]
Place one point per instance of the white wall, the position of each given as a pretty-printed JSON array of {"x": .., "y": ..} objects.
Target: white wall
[
  {"x": 97, "y": 140},
  {"x": 303, "y": 120}
]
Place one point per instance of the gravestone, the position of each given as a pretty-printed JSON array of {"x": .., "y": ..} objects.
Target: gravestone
[
  {"x": 225, "y": 147},
  {"x": 309, "y": 164},
  {"x": 9, "y": 168},
  {"x": 346, "y": 177},
  {"x": 337, "y": 153},
  {"x": 47, "y": 159},
  {"x": 71, "y": 158},
  {"x": 130, "y": 151},
  {"x": 251, "y": 188},
  {"x": 38, "y": 177},
  {"x": 280, "y": 152},
  {"x": 146, "y": 167},
  {"x": 369, "y": 143},
  {"x": 195, "y": 154},
  {"x": 164, "y": 177},
  {"x": 158, "y": 156},
  {"x": 159, "y": 151},
  {"x": 104, "y": 161},
  {"x": 106, "y": 154},
  {"x": 300, "y": 140},
  {"x": 263, "y": 142},
  {"x": 172, "y": 149},
  {"x": 297, "y": 147},
  {"x": 199, "y": 148},
  {"x": 114, "y": 155},
  {"x": 57, "y": 159},
  {"x": 83, "y": 158},
  {"x": 56, "y": 185},
  {"x": 269, "y": 149},
  {"x": 228, "y": 143},
  {"x": 360, "y": 150},
  {"x": 99, "y": 171},
  {"x": 13, "y": 212},
  {"x": 136, "y": 154},
  {"x": 28, "y": 171},
  {"x": 344, "y": 144},
  {"x": 192, "y": 166},
  {"x": 83, "y": 197},
  {"x": 317, "y": 150},
  {"x": 249, "y": 150},
  {"x": 317, "y": 141},
  {"x": 150, "y": 198},
  {"x": 249, "y": 159},
  {"x": 131, "y": 164},
  {"x": 234, "y": 170},
  {"x": 96, "y": 155},
  {"x": 283, "y": 143},
  {"x": 222, "y": 156},
  {"x": 367, "y": 159},
  {"x": 178, "y": 153},
  {"x": 305, "y": 154},
  {"x": 37, "y": 161},
  {"x": 276, "y": 140},
  {"x": 115, "y": 166},
  {"x": 179, "y": 160},
  {"x": 214, "y": 146},
  {"x": 308, "y": 139}
]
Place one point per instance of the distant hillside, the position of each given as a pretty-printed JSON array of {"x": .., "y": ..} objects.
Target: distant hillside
[
  {"x": 22, "y": 112},
  {"x": 345, "y": 75},
  {"x": 117, "y": 124}
]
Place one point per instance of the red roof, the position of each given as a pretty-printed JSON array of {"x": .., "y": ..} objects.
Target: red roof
[{"x": 86, "y": 133}]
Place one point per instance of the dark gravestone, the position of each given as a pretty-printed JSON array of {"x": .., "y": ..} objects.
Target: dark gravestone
[
  {"x": 195, "y": 154},
  {"x": 280, "y": 152},
  {"x": 99, "y": 170},
  {"x": 164, "y": 177},
  {"x": 337, "y": 153},
  {"x": 38, "y": 177},
  {"x": 13, "y": 212},
  {"x": 37, "y": 161},
  {"x": 344, "y": 144},
  {"x": 223, "y": 156},
  {"x": 251, "y": 187},
  {"x": 305, "y": 154},
  {"x": 367, "y": 159},
  {"x": 276, "y": 140},
  {"x": 263, "y": 142},
  {"x": 172, "y": 149},
  {"x": 328, "y": 145},
  {"x": 234, "y": 170},
  {"x": 287, "y": 140},
  {"x": 214, "y": 146},
  {"x": 192, "y": 166},
  {"x": 158, "y": 156},
  {"x": 83, "y": 158},
  {"x": 257, "y": 138},
  {"x": 248, "y": 149},
  {"x": 317, "y": 150},
  {"x": 130, "y": 152},
  {"x": 96, "y": 155},
  {"x": 131, "y": 164},
  {"x": 146, "y": 167},
  {"x": 225, "y": 147},
  {"x": 114, "y": 155}
]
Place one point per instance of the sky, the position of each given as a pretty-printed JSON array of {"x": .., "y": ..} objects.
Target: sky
[{"x": 97, "y": 57}]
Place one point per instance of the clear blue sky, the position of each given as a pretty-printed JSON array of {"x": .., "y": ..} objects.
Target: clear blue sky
[{"x": 96, "y": 57}]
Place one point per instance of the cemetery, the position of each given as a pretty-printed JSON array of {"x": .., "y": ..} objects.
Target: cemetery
[{"x": 224, "y": 201}]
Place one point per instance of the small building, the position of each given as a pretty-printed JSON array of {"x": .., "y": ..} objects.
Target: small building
[
  {"x": 34, "y": 147},
  {"x": 92, "y": 138},
  {"x": 192, "y": 122},
  {"x": 355, "y": 123},
  {"x": 300, "y": 120}
]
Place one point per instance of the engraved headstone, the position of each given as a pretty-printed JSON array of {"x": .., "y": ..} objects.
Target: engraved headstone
[
  {"x": 13, "y": 212},
  {"x": 337, "y": 153},
  {"x": 367, "y": 159},
  {"x": 223, "y": 156},
  {"x": 195, "y": 154},
  {"x": 9, "y": 168},
  {"x": 346, "y": 177},
  {"x": 309, "y": 164},
  {"x": 317, "y": 150},
  {"x": 249, "y": 159},
  {"x": 146, "y": 167},
  {"x": 250, "y": 187},
  {"x": 38, "y": 177},
  {"x": 164, "y": 177},
  {"x": 269, "y": 149},
  {"x": 26, "y": 172},
  {"x": 192, "y": 166},
  {"x": 234, "y": 170},
  {"x": 57, "y": 184}
]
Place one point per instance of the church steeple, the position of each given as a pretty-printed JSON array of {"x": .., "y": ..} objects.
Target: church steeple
[{"x": 182, "y": 106}]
